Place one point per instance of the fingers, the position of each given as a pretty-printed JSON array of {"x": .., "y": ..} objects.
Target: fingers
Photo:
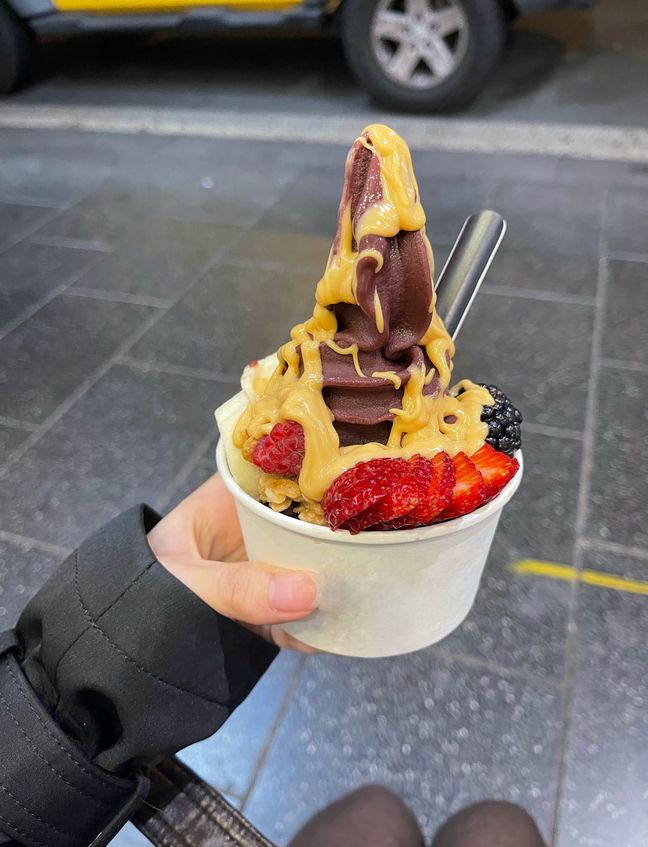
[
  {"x": 216, "y": 522},
  {"x": 289, "y": 642},
  {"x": 250, "y": 592},
  {"x": 204, "y": 525},
  {"x": 274, "y": 633}
]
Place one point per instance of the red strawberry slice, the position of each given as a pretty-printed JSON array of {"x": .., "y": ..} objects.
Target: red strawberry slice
[
  {"x": 359, "y": 489},
  {"x": 389, "y": 493},
  {"x": 469, "y": 491},
  {"x": 439, "y": 488},
  {"x": 495, "y": 467},
  {"x": 400, "y": 499},
  {"x": 435, "y": 478},
  {"x": 281, "y": 451}
]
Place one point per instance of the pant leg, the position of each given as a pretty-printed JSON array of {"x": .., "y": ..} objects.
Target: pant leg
[
  {"x": 371, "y": 817},
  {"x": 489, "y": 824}
]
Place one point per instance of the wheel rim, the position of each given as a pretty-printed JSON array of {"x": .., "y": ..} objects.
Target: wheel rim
[{"x": 419, "y": 43}]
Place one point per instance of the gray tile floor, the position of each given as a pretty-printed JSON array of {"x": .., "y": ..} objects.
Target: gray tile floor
[{"x": 137, "y": 276}]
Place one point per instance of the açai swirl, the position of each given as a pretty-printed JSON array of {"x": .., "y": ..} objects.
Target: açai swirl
[{"x": 368, "y": 374}]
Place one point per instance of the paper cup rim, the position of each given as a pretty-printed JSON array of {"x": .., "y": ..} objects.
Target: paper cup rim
[{"x": 343, "y": 536}]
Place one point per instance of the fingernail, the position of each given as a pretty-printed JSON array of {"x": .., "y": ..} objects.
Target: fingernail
[{"x": 292, "y": 592}]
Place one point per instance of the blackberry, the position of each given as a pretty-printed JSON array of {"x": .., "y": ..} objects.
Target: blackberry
[{"x": 503, "y": 419}]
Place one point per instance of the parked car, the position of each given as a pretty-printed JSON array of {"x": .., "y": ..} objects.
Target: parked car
[{"x": 416, "y": 55}]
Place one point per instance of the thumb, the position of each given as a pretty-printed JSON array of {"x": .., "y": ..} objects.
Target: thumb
[{"x": 250, "y": 592}]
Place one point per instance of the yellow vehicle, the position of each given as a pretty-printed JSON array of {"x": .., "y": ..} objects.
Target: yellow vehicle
[{"x": 418, "y": 55}]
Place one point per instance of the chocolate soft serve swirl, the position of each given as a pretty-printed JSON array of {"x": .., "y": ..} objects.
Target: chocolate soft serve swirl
[
  {"x": 393, "y": 293},
  {"x": 368, "y": 375}
]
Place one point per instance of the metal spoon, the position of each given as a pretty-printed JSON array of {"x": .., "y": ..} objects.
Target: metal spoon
[{"x": 467, "y": 265}]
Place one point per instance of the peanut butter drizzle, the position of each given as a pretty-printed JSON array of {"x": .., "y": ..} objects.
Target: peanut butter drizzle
[
  {"x": 351, "y": 350},
  {"x": 424, "y": 424},
  {"x": 390, "y": 375},
  {"x": 380, "y": 318}
]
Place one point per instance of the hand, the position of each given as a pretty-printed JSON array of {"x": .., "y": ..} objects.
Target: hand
[{"x": 200, "y": 543}]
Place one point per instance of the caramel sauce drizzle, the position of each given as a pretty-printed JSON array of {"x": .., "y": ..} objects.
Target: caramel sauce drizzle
[
  {"x": 351, "y": 350},
  {"x": 423, "y": 424}
]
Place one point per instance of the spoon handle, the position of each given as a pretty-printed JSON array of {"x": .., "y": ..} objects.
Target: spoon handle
[{"x": 467, "y": 265}]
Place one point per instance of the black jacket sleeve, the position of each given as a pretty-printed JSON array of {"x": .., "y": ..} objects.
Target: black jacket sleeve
[{"x": 113, "y": 664}]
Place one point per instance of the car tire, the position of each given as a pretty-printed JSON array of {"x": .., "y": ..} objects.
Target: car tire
[
  {"x": 16, "y": 47},
  {"x": 458, "y": 71}
]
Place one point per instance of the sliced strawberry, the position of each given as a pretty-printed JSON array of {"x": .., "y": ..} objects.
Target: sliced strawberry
[
  {"x": 358, "y": 489},
  {"x": 281, "y": 451},
  {"x": 439, "y": 488},
  {"x": 434, "y": 479},
  {"x": 469, "y": 491},
  {"x": 495, "y": 467},
  {"x": 403, "y": 495},
  {"x": 389, "y": 493}
]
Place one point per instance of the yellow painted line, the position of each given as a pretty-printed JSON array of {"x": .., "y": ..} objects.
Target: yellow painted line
[{"x": 552, "y": 570}]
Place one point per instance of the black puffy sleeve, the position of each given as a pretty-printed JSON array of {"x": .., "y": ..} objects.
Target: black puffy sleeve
[{"x": 113, "y": 664}]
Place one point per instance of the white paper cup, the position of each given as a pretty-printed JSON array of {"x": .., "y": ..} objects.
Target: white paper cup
[{"x": 382, "y": 593}]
